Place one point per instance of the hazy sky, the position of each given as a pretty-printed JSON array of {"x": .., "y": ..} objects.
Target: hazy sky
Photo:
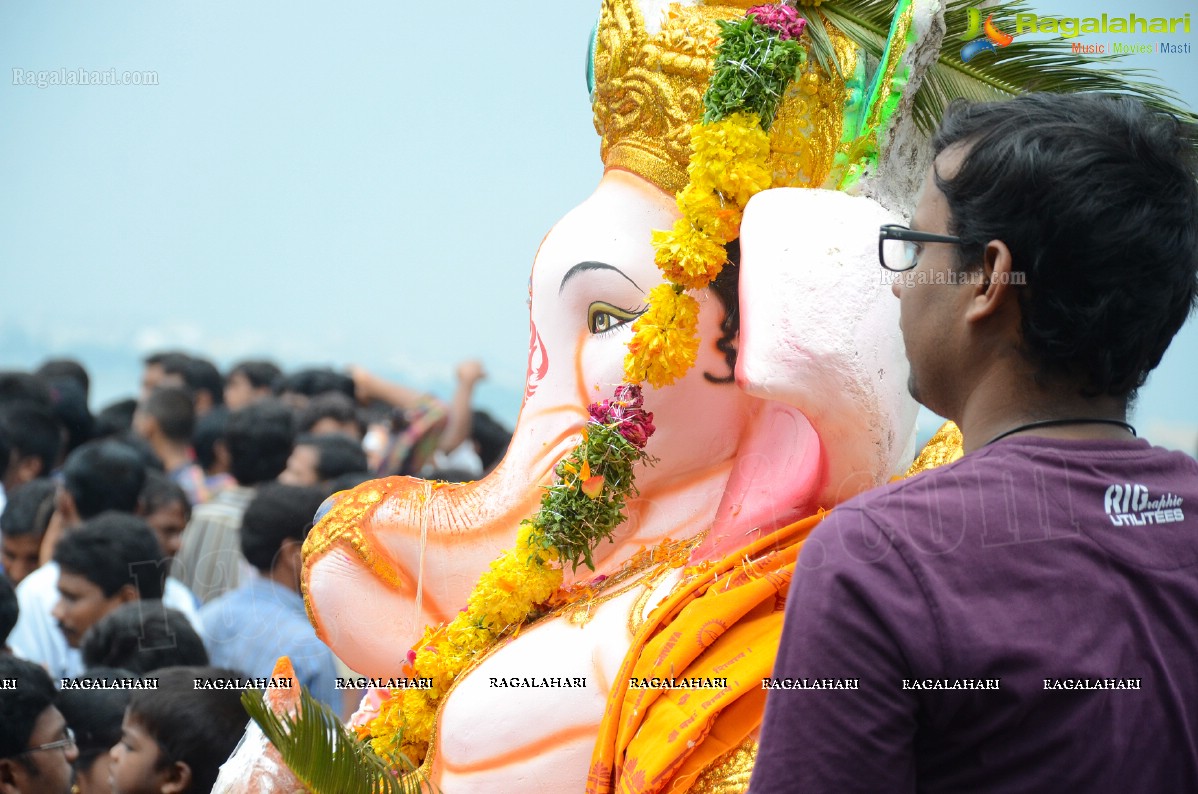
[{"x": 363, "y": 183}]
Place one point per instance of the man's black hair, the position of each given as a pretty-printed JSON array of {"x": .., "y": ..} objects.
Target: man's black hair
[
  {"x": 29, "y": 509},
  {"x": 9, "y": 609},
  {"x": 349, "y": 480},
  {"x": 104, "y": 475},
  {"x": 174, "y": 411},
  {"x": 199, "y": 374},
  {"x": 1095, "y": 196},
  {"x": 66, "y": 368},
  {"x": 330, "y": 405},
  {"x": 111, "y": 551},
  {"x": 492, "y": 438},
  {"x": 115, "y": 419},
  {"x": 95, "y": 714},
  {"x": 261, "y": 374},
  {"x": 311, "y": 382},
  {"x": 209, "y": 429},
  {"x": 278, "y": 512},
  {"x": 22, "y": 706},
  {"x": 22, "y": 387},
  {"x": 5, "y": 452},
  {"x": 165, "y": 358},
  {"x": 259, "y": 438},
  {"x": 337, "y": 454},
  {"x": 197, "y": 727},
  {"x": 68, "y": 403},
  {"x": 149, "y": 458},
  {"x": 161, "y": 491},
  {"x": 32, "y": 430},
  {"x": 143, "y": 636}
]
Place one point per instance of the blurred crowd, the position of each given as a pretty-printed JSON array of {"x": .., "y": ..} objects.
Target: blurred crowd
[{"x": 160, "y": 539}]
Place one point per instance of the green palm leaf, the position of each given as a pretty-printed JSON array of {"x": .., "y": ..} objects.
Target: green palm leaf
[
  {"x": 1022, "y": 66},
  {"x": 322, "y": 752}
]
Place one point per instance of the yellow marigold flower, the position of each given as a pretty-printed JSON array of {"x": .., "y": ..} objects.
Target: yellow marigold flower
[
  {"x": 419, "y": 716},
  {"x": 665, "y": 338},
  {"x": 716, "y": 217},
  {"x": 387, "y": 725},
  {"x": 687, "y": 256},
  {"x": 731, "y": 156}
]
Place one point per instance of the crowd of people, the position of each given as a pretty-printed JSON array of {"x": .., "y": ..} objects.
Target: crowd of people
[{"x": 159, "y": 540}]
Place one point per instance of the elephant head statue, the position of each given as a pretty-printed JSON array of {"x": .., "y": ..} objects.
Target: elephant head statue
[{"x": 797, "y": 400}]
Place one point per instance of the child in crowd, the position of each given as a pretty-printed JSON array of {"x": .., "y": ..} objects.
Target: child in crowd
[
  {"x": 95, "y": 716},
  {"x": 174, "y": 739},
  {"x": 165, "y": 507},
  {"x": 22, "y": 525}
]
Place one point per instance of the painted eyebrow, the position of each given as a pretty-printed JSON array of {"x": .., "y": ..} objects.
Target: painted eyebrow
[{"x": 583, "y": 267}]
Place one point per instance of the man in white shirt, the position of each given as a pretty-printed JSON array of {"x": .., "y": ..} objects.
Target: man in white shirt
[{"x": 98, "y": 476}]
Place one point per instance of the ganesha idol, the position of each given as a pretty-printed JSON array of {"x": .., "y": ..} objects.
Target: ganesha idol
[{"x": 797, "y": 401}]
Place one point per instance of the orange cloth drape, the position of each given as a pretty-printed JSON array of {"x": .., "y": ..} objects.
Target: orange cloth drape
[{"x": 723, "y": 621}]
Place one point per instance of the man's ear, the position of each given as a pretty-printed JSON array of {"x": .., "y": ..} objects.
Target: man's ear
[
  {"x": 65, "y": 517},
  {"x": 27, "y": 468},
  {"x": 68, "y": 513},
  {"x": 11, "y": 775},
  {"x": 994, "y": 291},
  {"x": 126, "y": 594},
  {"x": 178, "y": 778},
  {"x": 291, "y": 554},
  {"x": 220, "y": 454},
  {"x": 204, "y": 401}
]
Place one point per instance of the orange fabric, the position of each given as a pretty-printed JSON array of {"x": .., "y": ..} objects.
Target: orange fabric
[{"x": 723, "y": 621}]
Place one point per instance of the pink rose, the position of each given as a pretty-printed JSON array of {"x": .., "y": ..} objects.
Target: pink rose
[
  {"x": 782, "y": 19},
  {"x": 632, "y": 422}
]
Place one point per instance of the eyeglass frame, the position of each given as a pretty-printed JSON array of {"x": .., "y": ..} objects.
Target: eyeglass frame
[
  {"x": 896, "y": 231},
  {"x": 63, "y": 744}
]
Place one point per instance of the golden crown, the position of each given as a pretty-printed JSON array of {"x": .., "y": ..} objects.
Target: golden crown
[{"x": 649, "y": 93}]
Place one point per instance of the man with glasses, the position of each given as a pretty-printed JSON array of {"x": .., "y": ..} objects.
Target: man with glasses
[
  {"x": 37, "y": 748},
  {"x": 1026, "y": 618}
]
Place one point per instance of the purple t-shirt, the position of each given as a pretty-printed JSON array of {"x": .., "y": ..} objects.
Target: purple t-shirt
[{"x": 1022, "y": 620}]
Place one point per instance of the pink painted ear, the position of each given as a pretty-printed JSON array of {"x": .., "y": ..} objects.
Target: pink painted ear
[{"x": 820, "y": 331}]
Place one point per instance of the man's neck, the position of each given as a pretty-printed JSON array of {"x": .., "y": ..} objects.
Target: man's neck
[
  {"x": 1003, "y": 402},
  {"x": 172, "y": 454},
  {"x": 284, "y": 576}
]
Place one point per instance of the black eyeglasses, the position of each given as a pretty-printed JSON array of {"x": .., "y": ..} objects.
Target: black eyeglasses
[
  {"x": 898, "y": 246},
  {"x": 64, "y": 744}
]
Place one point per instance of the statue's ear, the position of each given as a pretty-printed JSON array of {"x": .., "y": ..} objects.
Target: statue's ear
[{"x": 819, "y": 323}]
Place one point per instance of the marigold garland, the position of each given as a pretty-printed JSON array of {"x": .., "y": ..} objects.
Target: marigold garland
[{"x": 757, "y": 58}]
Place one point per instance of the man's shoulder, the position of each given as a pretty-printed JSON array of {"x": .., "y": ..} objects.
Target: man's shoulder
[
  {"x": 924, "y": 490},
  {"x": 40, "y": 584},
  {"x": 925, "y": 512}
]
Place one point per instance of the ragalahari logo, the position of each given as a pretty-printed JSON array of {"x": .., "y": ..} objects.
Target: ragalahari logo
[{"x": 992, "y": 38}]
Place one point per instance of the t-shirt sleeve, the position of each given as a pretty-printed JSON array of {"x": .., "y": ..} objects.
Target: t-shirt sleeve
[{"x": 855, "y": 611}]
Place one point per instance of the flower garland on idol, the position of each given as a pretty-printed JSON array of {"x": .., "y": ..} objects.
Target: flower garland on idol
[{"x": 756, "y": 60}]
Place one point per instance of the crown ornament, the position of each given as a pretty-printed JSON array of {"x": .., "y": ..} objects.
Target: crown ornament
[{"x": 648, "y": 91}]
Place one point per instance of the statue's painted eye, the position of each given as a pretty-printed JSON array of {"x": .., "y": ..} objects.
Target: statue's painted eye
[{"x": 603, "y": 317}]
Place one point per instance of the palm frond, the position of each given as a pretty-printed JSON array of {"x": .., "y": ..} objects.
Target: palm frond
[
  {"x": 821, "y": 45},
  {"x": 1022, "y": 66},
  {"x": 322, "y": 752}
]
